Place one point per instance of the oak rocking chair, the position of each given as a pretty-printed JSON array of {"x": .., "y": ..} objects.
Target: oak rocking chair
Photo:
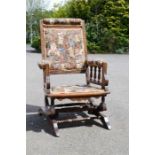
[{"x": 64, "y": 51}]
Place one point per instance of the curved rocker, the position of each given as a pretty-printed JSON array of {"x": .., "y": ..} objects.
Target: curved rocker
[
  {"x": 55, "y": 128},
  {"x": 105, "y": 121}
]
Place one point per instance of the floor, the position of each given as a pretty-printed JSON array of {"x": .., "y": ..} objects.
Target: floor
[{"x": 88, "y": 138}]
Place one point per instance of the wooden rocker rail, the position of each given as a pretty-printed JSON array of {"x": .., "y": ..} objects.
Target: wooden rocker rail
[{"x": 52, "y": 114}]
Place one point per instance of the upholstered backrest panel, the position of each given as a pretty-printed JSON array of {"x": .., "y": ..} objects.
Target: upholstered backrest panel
[{"x": 63, "y": 43}]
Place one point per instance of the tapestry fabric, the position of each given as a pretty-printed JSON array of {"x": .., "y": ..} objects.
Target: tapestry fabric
[
  {"x": 76, "y": 89},
  {"x": 64, "y": 48}
]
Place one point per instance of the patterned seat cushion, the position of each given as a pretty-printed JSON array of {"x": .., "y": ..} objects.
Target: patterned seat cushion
[{"x": 76, "y": 90}]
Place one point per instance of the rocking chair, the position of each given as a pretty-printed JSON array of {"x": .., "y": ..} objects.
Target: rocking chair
[{"x": 64, "y": 51}]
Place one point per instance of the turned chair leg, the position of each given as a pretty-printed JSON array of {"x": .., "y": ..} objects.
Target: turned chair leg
[
  {"x": 46, "y": 101},
  {"x": 99, "y": 112},
  {"x": 51, "y": 114},
  {"x": 102, "y": 106},
  {"x": 40, "y": 110}
]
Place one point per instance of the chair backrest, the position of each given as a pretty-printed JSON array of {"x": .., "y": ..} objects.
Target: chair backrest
[{"x": 63, "y": 44}]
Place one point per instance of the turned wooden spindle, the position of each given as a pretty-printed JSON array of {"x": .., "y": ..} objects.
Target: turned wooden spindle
[
  {"x": 91, "y": 72},
  {"x": 99, "y": 74},
  {"x": 95, "y": 67},
  {"x": 87, "y": 75}
]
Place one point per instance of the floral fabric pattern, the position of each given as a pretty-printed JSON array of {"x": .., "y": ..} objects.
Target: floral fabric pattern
[
  {"x": 75, "y": 89},
  {"x": 64, "y": 48}
]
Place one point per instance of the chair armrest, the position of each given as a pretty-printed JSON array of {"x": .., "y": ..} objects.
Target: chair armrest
[
  {"x": 96, "y": 72},
  {"x": 43, "y": 64}
]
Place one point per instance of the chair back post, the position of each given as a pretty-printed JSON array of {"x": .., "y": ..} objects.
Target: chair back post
[{"x": 104, "y": 72}]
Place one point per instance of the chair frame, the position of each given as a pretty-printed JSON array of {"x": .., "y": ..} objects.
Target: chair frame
[{"x": 95, "y": 72}]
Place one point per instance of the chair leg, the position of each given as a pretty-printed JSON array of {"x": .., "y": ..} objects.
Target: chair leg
[
  {"x": 102, "y": 106},
  {"x": 46, "y": 101},
  {"x": 55, "y": 127},
  {"x": 52, "y": 101},
  {"x": 47, "y": 110},
  {"x": 40, "y": 112},
  {"x": 53, "y": 121}
]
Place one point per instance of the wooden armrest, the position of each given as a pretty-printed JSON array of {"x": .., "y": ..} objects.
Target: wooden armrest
[
  {"x": 43, "y": 64},
  {"x": 96, "y": 72}
]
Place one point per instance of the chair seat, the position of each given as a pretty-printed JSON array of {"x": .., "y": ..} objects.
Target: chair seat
[{"x": 76, "y": 91}]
